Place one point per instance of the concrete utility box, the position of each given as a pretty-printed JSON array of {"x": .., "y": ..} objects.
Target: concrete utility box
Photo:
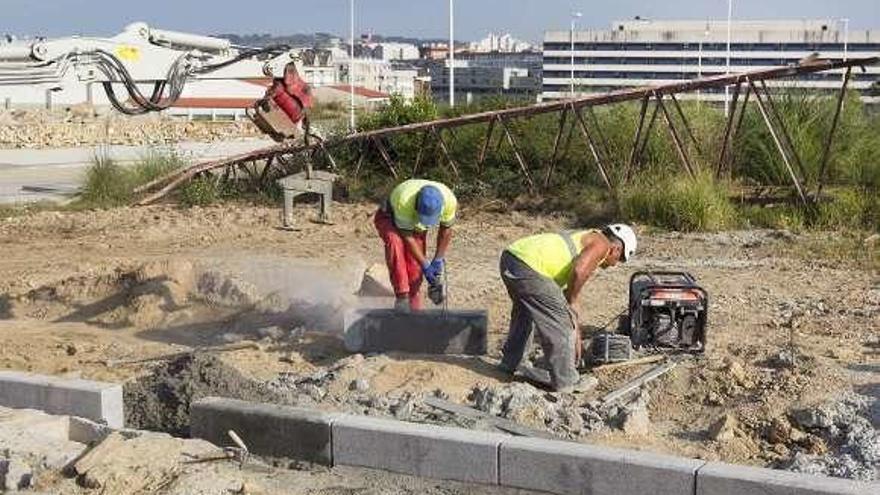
[
  {"x": 419, "y": 332},
  {"x": 309, "y": 182}
]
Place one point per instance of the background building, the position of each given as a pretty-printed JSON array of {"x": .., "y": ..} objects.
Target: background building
[
  {"x": 482, "y": 74},
  {"x": 644, "y": 52},
  {"x": 500, "y": 43}
]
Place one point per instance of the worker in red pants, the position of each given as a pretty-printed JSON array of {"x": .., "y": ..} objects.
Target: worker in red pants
[{"x": 403, "y": 221}]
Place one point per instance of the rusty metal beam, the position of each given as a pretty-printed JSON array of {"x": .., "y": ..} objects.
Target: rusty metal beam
[
  {"x": 445, "y": 150},
  {"x": 728, "y": 128},
  {"x": 169, "y": 181},
  {"x": 771, "y": 105},
  {"x": 516, "y": 152},
  {"x": 562, "y": 119},
  {"x": 485, "y": 147},
  {"x": 637, "y": 141},
  {"x": 826, "y": 152},
  {"x": 419, "y": 152},
  {"x": 383, "y": 152},
  {"x": 592, "y": 145},
  {"x": 765, "y": 113},
  {"x": 679, "y": 146},
  {"x": 684, "y": 122},
  {"x": 598, "y": 127}
]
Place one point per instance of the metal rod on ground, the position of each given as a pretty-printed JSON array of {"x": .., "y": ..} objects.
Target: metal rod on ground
[
  {"x": 779, "y": 146},
  {"x": 167, "y": 357},
  {"x": 826, "y": 152},
  {"x": 633, "y": 385},
  {"x": 627, "y": 364}
]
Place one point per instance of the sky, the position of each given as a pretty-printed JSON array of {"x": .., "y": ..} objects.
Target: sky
[{"x": 525, "y": 19}]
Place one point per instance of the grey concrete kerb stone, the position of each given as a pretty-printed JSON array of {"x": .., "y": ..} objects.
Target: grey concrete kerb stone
[
  {"x": 420, "y": 450},
  {"x": 266, "y": 429},
  {"x": 97, "y": 401},
  {"x": 570, "y": 468},
  {"x": 716, "y": 478}
]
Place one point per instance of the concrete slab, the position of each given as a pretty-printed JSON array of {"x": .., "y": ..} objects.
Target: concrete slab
[
  {"x": 266, "y": 429},
  {"x": 98, "y": 401},
  {"x": 567, "y": 468},
  {"x": 717, "y": 478},
  {"x": 421, "y": 332},
  {"x": 36, "y": 438},
  {"x": 419, "y": 450}
]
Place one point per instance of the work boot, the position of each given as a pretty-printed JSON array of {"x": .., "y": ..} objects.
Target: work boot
[{"x": 401, "y": 304}]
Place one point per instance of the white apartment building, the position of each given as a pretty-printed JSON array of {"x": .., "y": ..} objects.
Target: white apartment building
[
  {"x": 500, "y": 43},
  {"x": 376, "y": 74},
  {"x": 646, "y": 52}
]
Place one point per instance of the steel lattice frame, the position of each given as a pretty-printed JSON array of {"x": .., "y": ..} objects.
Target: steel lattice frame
[{"x": 277, "y": 161}]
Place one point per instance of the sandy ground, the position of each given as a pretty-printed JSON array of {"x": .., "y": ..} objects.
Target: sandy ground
[{"x": 79, "y": 290}]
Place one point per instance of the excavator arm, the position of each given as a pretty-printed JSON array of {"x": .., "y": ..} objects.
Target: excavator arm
[{"x": 144, "y": 69}]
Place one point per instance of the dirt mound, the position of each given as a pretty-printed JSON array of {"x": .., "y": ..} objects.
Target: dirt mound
[{"x": 161, "y": 401}]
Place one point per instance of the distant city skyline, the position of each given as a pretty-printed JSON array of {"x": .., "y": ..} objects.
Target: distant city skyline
[{"x": 524, "y": 19}]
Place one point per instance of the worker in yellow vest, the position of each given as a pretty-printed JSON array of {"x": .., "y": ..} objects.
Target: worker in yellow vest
[
  {"x": 403, "y": 221},
  {"x": 544, "y": 275}
]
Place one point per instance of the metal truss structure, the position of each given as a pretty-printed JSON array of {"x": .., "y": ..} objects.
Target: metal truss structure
[{"x": 271, "y": 163}]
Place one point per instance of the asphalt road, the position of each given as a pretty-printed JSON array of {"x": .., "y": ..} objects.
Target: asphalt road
[{"x": 55, "y": 174}]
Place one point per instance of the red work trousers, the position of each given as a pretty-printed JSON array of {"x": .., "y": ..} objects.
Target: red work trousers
[{"x": 404, "y": 269}]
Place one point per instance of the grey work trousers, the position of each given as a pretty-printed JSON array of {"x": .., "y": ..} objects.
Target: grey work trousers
[{"x": 538, "y": 303}]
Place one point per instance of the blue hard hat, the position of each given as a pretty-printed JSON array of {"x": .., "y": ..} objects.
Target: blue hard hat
[{"x": 429, "y": 206}]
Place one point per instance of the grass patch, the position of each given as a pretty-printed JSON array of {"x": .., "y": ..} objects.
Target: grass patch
[
  {"x": 679, "y": 203},
  {"x": 108, "y": 184}
]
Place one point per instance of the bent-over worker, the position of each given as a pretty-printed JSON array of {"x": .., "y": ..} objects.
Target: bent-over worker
[
  {"x": 402, "y": 221},
  {"x": 544, "y": 275}
]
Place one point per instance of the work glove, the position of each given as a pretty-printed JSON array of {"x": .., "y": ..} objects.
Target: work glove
[{"x": 432, "y": 270}]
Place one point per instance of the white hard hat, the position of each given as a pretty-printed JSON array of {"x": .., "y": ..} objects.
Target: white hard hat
[{"x": 627, "y": 236}]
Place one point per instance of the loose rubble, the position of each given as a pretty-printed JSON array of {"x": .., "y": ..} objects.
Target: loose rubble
[
  {"x": 853, "y": 442},
  {"x": 85, "y": 127}
]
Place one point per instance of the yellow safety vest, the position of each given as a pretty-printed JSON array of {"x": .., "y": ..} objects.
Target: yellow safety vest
[
  {"x": 402, "y": 204},
  {"x": 552, "y": 254}
]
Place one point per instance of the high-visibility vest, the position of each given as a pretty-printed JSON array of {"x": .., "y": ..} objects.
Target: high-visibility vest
[
  {"x": 402, "y": 203},
  {"x": 551, "y": 254}
]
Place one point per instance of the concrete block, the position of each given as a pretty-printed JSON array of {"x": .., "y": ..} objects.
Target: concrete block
[
  {"x": 716, "y": 478},
  {"x": 270, "y": 430},
  {"x": 97, "y": 401},
  {"x": 569, "y": 468},
  {"x": 419, "y": 450},
  {"x": 419, "y": 332}
]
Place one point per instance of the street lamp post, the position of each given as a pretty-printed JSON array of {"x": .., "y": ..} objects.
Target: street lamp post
[
  {"x": 574, "y": 17},
  {"x": 451, "y": 53},
  {"x": 729, "y": 28},
  {"x": 352, "y": 124}
]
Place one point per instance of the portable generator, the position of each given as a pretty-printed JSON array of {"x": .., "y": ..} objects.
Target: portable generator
[{"x": 667, "y": 310}]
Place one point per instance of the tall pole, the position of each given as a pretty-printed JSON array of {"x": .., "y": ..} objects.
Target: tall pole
[
  {"x": 729, "y": 29},
  {"x": 574, "y": 17},
  {"x": 451, "y": 53},
  {"x": 352, "y": 124}
]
